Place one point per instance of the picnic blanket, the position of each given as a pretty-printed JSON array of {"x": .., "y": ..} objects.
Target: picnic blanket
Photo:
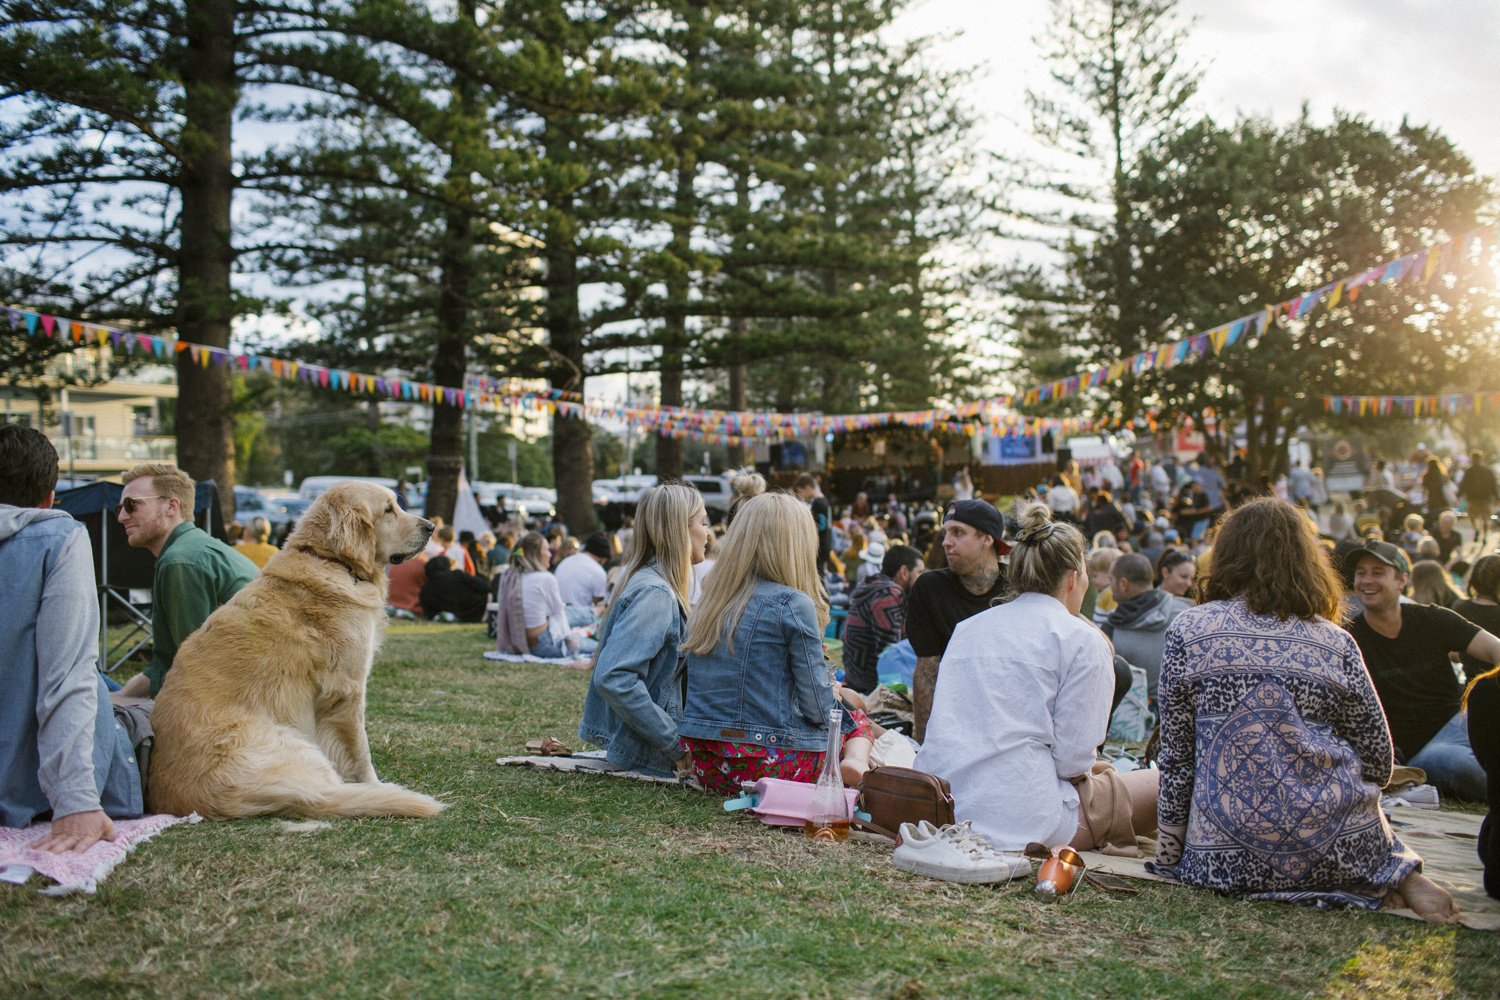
[
  {"x": 583, "y": 664},
  {"x": 76, "y": 872},
  {"x": 593, "y": 762},
  {"x": 1445, "y": 840}
]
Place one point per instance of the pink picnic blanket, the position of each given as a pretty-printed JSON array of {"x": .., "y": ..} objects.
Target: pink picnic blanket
[{"x": 76, "y": 872}]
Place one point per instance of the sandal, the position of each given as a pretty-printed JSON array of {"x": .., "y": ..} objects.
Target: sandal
[{"x": 549, "y": 747}]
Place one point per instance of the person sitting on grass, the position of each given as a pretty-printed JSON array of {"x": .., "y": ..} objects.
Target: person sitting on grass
[
  {"x": 634, "y": 699},
  {"x": 1482, "y": 705},
  {"x": 530, "y": 617},
  {"x": 1023, "y": 703},
  {"x": 758, "y": 689},
  {"x": 65, "y": 753},
  {"x": 451, "y": 594},
  {"x": 1274, "y": 747}
]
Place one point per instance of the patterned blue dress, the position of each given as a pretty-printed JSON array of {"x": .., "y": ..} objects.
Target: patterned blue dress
[{"x": 1274, "y": 748}]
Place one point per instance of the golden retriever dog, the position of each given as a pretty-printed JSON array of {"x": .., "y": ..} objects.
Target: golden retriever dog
[{"x": 263, "y": 710}]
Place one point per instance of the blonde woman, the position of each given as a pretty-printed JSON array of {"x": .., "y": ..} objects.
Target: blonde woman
[
  {"x": 635, "y": 696},
  {"x": 530, "y": 617},
  {"x": 759, "y": 691},
  {"x": 1025, "y": 699}
]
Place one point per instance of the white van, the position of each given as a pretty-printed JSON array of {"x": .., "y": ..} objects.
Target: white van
[{"x": 315, "y": 486}]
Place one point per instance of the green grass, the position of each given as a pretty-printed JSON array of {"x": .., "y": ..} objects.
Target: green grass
[{"x": 551, "y": 885}]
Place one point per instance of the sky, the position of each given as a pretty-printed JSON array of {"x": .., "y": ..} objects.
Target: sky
[{"x": 1432, "y": 61}]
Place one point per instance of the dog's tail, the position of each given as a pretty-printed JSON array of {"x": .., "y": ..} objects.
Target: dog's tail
[{"x": 364, "y": 799}]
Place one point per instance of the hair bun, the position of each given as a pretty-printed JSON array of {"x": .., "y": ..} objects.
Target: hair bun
[
  {"x": 747, "y": 483},
  {"x": 1033, "y": 521}
]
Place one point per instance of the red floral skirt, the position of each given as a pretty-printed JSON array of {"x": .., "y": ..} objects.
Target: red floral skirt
[{"x": 722, "y": 767}]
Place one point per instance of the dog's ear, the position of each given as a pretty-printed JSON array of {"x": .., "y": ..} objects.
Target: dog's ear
[{"x": 351, "y": 536}]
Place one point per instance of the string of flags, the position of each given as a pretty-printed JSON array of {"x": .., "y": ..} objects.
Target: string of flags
[
  {"x": 1446, "y": 405},
  {"x": 996, "y": 416}
]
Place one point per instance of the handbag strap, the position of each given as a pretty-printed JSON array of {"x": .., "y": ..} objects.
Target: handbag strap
[{"x": 869, "y": 826}]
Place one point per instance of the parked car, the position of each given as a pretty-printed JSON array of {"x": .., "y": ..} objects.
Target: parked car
[
  {"x": 716, "y": 493},
  {"x": 607, "y": 491},
  {"x": 277, "y": 509},
  {"x": 315, "y": 486}
]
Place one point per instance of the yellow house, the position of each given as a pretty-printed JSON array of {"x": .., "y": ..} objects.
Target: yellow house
[{"x": 102, "y": 429}]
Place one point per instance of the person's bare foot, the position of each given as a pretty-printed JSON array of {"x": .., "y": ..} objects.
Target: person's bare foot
[{"x": 1424, "y": 897}]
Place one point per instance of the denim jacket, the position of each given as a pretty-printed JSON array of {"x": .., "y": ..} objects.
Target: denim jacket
[
  {"x": 635, "y": 698},
  {"x": 773, "y": 689}
]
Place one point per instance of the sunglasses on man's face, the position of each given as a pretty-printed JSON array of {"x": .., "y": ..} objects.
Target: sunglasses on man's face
[{"x": 129, "y": 504}]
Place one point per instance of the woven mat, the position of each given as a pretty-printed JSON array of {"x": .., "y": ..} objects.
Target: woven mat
[
  {"x": 593, "y": 762},
  {"x": 583, "y": 664},
  {"x": 1447, "y": 842}
]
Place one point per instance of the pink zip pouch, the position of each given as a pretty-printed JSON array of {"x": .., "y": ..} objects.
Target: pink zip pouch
[{"x": 778, "y": 802}]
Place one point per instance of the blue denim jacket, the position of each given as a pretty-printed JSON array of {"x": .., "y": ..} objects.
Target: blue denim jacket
[
  {"x": 635, "y": 697},
  {"x": 773, "y": 689}
]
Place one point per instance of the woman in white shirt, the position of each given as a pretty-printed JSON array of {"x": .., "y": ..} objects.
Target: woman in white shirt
[
  {"x": 530, "y": 606},
  {"x": 1023, "y": 703}
]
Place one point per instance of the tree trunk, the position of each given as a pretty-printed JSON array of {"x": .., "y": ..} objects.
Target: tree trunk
[
  {"x": 455, "y": 296},
  {"x": 572, "y": 437},
  {"x": 739, "y": 375},
  {"x": 205, "y": 420}
]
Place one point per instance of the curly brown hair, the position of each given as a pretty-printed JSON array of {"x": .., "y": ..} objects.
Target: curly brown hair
[{"x": 1268, "y": 555}]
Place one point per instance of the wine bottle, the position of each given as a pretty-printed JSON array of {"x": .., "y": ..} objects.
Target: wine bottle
[{"x": 828, "y": 815}]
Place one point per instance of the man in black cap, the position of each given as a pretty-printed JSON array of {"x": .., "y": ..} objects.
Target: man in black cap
[
  {"x": 581, "y": 578},
  {"x": 973, "y": 542},
  {"x": 1405, "y": 648}
]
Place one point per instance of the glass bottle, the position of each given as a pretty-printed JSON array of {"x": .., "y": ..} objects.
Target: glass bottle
[{"x": 828, "y": 813}]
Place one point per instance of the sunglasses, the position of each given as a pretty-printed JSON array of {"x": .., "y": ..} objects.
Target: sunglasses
[{"x": 129, "y": 504}]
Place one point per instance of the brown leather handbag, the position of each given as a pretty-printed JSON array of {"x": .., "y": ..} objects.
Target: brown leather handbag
[{"x": 896, "y": 795}]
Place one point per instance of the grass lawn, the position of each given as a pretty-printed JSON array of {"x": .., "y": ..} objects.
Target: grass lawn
[{"x": 550, "y": 885}]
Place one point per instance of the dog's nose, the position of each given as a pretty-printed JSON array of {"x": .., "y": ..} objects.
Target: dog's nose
[{"x": 428, "y": 527}]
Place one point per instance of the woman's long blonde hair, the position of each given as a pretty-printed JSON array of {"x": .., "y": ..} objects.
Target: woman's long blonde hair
[
  {"x": 772, "y": 538},
  {"x": 662, "y": 516}
]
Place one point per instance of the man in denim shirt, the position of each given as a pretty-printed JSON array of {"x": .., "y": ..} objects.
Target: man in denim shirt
[{"x": 62, "y": 753}]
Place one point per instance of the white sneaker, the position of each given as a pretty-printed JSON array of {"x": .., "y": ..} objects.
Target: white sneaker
[
  {"x": 954, "y": 854},
  {"x": 1416, "y": 796}
]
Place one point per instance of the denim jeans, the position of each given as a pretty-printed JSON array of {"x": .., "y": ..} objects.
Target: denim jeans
[
  {"x": 1450, "y": 764},
  {"x": 579, "y": 617},
  {"x": 549, "y": 648}
]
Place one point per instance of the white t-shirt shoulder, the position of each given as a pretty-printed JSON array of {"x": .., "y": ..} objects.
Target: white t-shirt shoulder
[
  {"x": 581, "y": 580},
  {"x": 543, "y": 603}
]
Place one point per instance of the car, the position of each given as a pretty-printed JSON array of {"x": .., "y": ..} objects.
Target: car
[
  {"x": 250, "y": 502},
  {"x": 315, "y": 486},
  {"x": 534, "y": 503},
  {"x": 607, "y": 491},
  {"x": 631, "y": 487},
  {"x": 716, "y": 492}
]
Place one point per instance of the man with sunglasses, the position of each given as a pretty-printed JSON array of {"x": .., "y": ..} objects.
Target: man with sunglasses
[
  {"x": 195, "y": 572},
  {"x": 63, "y": 753}
]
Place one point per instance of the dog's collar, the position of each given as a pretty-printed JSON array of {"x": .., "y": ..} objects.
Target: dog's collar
[{"x": 309, "y": 550}]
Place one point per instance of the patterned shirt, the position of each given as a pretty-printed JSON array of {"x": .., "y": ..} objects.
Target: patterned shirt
[
  {"x": 1274, "y": 749},
  {"x": 877, "y": 618}
]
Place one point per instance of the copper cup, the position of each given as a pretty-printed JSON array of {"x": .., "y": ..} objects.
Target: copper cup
[{"x": 1059, "y": 873}]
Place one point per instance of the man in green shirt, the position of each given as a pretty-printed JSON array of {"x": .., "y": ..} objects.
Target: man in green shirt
[{"x": 195, "y": 572}]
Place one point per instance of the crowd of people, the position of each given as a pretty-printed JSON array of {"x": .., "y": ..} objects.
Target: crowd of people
[
  {"x": 1290, "y": 669},
  {"x": 1290, "y": 674}
]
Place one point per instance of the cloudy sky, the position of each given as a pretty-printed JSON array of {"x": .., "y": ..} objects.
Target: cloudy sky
[{"x": 1433, "y": 61}]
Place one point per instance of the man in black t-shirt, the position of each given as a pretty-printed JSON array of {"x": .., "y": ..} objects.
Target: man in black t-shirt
[
  {"x": 973, "y": 542},
  {"x": 806, "y": 488},
  {"x": 1406, "y": 648}
]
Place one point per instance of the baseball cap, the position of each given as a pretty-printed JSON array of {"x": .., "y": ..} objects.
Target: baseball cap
[
  {"x": 982, "y": 516},
  {"x": 1384, "y": 551}
]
